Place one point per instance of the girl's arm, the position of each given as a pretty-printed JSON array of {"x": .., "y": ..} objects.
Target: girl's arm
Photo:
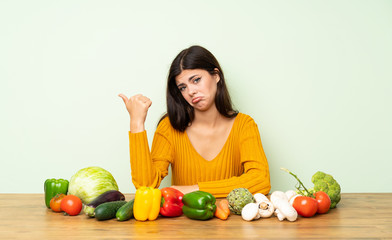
[{"x": 146, "y": 170}]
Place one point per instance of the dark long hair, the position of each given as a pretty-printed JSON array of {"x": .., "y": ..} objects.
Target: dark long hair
[{"x": 180, "y": 113}]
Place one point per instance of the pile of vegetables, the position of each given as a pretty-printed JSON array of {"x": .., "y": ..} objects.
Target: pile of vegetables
[
  {"x": 259, "y": 206},
  {"x": 94, "y": 187},
  {"x": 288, "y": 205},
  {"x": 97, "y": 190},
  {"x": 323, "y": 196},
  {"x": 57, "y": 200}
]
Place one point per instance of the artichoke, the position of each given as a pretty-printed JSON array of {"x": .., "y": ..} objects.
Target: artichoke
[{"x": 238, "y": 198}]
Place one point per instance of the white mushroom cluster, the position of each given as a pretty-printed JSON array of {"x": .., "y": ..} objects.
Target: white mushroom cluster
[{"x": 280, "y": 205}]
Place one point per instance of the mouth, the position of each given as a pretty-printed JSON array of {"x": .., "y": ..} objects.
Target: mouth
[{"x": 196, "y": 100}]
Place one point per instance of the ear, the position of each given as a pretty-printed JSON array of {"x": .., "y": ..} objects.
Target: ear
[{"x": 216, "y": 75}]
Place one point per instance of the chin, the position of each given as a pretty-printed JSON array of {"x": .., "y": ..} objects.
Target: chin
[{"x": 201, "y": 109}]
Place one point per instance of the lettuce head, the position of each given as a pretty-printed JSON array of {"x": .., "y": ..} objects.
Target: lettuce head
[{"x": 88, "y": 183}]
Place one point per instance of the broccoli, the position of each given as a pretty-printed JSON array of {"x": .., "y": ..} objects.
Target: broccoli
[
  {"x": 326, "y": 183},
  {"x": 322, "y": 182}
]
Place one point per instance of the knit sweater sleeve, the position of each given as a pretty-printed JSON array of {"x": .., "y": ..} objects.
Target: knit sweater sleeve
[
  {"x": 149, "y": 168},
  {"x": 256, "y": 177}
]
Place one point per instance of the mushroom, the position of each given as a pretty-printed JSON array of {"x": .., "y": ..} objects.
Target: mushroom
[
  {"x": 250, "y": 212},
  {"x": 291, "y": 195},
  {"x": 266, "y": 208},
  {"x": 283, "y": 209}
]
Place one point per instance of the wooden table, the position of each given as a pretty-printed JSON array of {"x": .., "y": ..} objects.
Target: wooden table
[{"x": 358, "y": 216}]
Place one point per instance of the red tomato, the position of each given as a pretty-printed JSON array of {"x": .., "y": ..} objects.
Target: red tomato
[
  {"x": 323, "y": 202},
  {"x": 71, "y": 204},
  {"x": 55, "y": 202},
  {"x": 305, "y": 206}
]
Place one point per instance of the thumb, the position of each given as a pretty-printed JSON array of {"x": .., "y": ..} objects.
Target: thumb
[{"x": 124, "y": 98}]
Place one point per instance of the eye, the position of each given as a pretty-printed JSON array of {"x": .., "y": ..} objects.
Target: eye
[
  {"x": 182, "y": 88},
  {"x": 196, "y": 80}
]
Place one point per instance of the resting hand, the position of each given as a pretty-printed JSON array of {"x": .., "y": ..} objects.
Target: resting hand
[
  {"x": 186, "y": 189},
  {"x": 137, "y": 107}
]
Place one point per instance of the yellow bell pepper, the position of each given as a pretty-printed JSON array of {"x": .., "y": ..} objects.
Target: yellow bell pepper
[{"x": 147, "y": 203}]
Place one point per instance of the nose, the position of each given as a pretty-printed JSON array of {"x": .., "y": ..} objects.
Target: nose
[{"x": 192, "y": 90}]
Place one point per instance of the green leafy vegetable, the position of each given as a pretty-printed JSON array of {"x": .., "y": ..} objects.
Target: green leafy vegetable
[{"x": 88, "y": 183}]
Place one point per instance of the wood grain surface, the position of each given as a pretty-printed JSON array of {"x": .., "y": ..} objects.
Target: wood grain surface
[{"x": 358, "y": 216}]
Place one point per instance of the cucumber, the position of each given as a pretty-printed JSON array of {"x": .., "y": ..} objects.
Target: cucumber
[
  {"x": 125, "y": 212},
  {"x": 109, "y": 196},
  {"x": 108, "y": 210}
]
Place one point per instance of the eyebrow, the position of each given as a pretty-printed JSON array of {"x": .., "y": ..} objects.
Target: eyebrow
[{"x": 189, "y": 79}]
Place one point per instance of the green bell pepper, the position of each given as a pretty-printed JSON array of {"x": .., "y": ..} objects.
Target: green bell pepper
[
  {"x": 199, "y": 205},
  {"x": 53, "y": 187}
]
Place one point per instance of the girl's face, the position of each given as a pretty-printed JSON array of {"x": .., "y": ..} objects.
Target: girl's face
[{"x": 198, "y": 87}]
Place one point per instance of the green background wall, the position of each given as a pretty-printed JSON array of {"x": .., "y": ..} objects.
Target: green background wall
[{"x": 315, "y": 75}]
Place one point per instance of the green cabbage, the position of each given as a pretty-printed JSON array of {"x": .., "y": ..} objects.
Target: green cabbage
[{"x": 88, "y": 183}]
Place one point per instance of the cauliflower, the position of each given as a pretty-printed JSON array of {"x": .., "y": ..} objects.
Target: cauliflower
[
  {"x": 238, "y": 198},
  {"x": 326, "y": 183}
]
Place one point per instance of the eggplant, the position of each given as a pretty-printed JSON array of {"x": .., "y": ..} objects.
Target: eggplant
[{"x": 109, "y": 196}]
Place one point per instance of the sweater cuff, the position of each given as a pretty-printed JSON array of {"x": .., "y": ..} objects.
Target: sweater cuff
[{"x": 131, "y": 134}]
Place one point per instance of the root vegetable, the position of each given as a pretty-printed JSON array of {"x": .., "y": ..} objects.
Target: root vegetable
[{"x": 222, "y": 209}]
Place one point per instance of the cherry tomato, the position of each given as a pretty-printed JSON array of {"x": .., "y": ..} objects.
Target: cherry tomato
[
  {"x": 55, "y": 202},
  {"x": 305, "y": 206},
  {"x": 71, "y": 204},
  {"x": 323, "y": 202}
]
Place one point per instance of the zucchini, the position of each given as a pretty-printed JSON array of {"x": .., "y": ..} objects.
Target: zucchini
[
  {"x": 108, "y": 196},
  {"x": 108, "y": 210},
  {"x": 126, "y": 211}
]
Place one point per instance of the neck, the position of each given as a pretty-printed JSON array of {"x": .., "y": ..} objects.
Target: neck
[{"x": 208, "y": 118}]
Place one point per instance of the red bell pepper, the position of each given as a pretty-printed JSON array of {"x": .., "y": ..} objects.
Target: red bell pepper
[{"x": 171, "y": 203}]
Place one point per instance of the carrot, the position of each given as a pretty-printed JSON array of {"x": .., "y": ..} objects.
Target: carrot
[{"x": 222, "y": 209}]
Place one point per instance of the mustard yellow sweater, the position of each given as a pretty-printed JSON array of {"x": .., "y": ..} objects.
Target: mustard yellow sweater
[{"x": 240, "y": 163}]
